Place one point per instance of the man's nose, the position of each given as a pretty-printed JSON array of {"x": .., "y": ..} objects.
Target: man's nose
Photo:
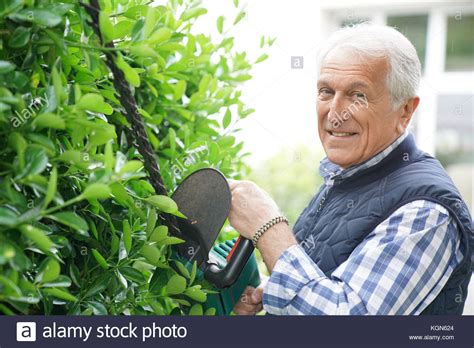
[{"x": 336, "y": 107}]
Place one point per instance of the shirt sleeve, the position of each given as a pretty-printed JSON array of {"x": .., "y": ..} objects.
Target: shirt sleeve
[{"x": 399, "y": 268}]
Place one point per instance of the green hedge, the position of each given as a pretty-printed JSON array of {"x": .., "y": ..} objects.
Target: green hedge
[{"x": 79, "y": 232}]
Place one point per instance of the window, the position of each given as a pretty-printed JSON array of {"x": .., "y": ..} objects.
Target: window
[
  {"x": 460, "y": 43},
  {"x": 415, "y": 29},
  {"x": 352, "y": 21},
  {"x": 454, "y": 129}
]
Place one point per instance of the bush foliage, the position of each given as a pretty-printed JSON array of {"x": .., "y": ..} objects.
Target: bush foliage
[{"x": 79, "y": 232}]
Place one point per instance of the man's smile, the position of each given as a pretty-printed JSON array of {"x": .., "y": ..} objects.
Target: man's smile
[{"x": 342, "y": 135}]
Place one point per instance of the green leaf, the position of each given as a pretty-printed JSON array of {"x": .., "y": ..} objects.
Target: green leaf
[
  {"x": 176, "y": 285},
  {"x": 127, "y": 235},
  {"x": 196, "y": 309},
  {"x": 261, "y": 58},
  {"x": 182, "y": 269},
  {"x": 133, "y": 274},
  {"x": 163, "y": 34},
  {"x": 114, "y": 245},
  {"x": 239, "y": 17},
  {"x": 210, "y": 311},
  {"x": 171, "y": 241},
  {"x": 143, "y": 51},
  {"x": 60, "y": 293},
  {"x": 20, "y": 37},
  {"x": 10, "y": 6},
  {"x": 204, "y": 84},
  {"x": 57, "y": 83},
  {"x": 163, "y": 203},
  {"x": 8, "y": 217},
  {"x": 51, "y": 271},
  {"x": 36, "y": 161},
  {"x": 61, "y": 282},
  {"x": 99, "y": 284},
  {"x": 179, "y": 90},
  {"x": 131, "y": 167},
  {"x": 130, "y": 74},
  {"x": 193, "y": 13},
  {"x": 52, "y": 184},
  {"x": 37, "y": 15},
  {"x": 136, "y": 12},
  {"x": 102, "y": 133},
  {"x": 96, "y": 191},
  {"x": 109, "y": 160},
  {"x": 6, "y": 67},
  {"x": 100, "y": 259},
  {"x": 160, "y": 233},
  {"x": 172, "y": 137},
  {"x": 38, "y": 237},
  {"x": 151, "y": 254},
  {"x": 195, "y": 293},
  {"x": 106, "y": 27},
  {"x": 226, "y": 141},
  {"x": 19, "y": 143},
  {"x": 94, "y": 102},
  {"x": 72, "y": 220},
  {"x": 97, "y": 308},
  {"x": 220, "y": 24},
  {"x": 227, "y": 118},
  {"x": 151, "y": 221},
  {"x": 193, "y": 273},
  {"x": 150, "y": 21},
  {"x": 49, "y": 120}
]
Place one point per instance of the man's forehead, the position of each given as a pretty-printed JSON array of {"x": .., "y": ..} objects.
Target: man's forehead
[
  {"x": 352, "y": 67},
  {"x": 349, "y": 83}
]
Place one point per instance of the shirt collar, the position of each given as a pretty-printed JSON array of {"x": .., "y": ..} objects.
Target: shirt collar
[{"x": 329, "y": 170}]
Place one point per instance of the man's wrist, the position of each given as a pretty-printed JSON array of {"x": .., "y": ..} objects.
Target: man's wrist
[
  {"x": 274, "y": 242},
  {"x": 266, "y": 227}
]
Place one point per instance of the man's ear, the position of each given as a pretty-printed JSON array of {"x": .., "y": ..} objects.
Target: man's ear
[{"x": 407, "y": 112}]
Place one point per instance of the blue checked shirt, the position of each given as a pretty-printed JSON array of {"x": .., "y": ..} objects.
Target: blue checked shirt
[{"x": 399, "y": 268}]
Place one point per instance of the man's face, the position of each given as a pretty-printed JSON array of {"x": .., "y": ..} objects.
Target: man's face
[{"x": 355, "y": 116}]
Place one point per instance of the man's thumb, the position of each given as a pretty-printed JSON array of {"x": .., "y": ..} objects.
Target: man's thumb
[{"x": 257, "y": 295}]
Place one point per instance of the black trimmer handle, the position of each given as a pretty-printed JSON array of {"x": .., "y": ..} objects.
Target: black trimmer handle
[{"x": 236, "y": 261}]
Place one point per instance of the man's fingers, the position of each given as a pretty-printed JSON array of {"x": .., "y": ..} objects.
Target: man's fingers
[
  {"x": 257, "y": 295},
  {"x": 232, "y": 183},
  {"x": 244, "y": 312},
  {"x": 246, "y": 305},
  {"x": 248, "y": 291},
  {"x": 247, "y": 308}
]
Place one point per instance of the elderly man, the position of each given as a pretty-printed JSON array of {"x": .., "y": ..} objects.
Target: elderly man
[{"x": 388, "y": 232}]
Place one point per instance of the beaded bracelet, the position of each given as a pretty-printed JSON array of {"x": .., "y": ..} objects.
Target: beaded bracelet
[{"x": 267, "y": 226}]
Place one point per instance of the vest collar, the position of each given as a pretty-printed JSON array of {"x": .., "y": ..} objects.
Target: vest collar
[{"x": 331, "y": 172}]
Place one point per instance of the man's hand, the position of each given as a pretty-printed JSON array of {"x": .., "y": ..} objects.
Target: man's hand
[
  {"x": 250, "y": 303},
  {"x": 251, "y": 207}
]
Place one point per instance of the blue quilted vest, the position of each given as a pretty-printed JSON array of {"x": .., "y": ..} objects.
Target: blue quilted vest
[{"x": 339, "y": 218}]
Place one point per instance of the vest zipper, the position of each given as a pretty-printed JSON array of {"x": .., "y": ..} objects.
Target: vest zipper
[{"x": 318, "y": 211}]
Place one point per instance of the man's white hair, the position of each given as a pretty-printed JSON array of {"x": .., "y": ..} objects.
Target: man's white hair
[{"x": 370, "y": 40}]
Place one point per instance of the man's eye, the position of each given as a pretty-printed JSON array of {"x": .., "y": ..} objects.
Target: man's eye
[
  {"x": 324, "y": 91},
  {"x": 360, "y": 95}
]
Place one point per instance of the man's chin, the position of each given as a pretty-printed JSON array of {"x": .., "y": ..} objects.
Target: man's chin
[{"x": 340, "y": 157}]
